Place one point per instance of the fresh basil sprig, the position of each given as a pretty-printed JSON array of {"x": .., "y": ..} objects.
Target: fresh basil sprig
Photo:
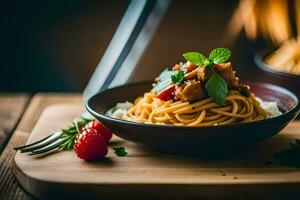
[{"x": 216, "y": 86}]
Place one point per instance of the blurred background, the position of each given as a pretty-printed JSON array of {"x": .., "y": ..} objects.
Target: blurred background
[{"x": 56, "y": 45}]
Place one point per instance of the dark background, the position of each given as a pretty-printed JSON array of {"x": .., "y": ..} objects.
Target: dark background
[{"x": 55, "y": 45}]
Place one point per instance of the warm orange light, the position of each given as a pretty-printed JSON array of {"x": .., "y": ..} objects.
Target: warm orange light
[{"x": 268, "y": 18}]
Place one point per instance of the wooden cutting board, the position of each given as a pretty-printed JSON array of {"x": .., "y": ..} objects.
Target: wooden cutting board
[{"x": 150, "y": 175}]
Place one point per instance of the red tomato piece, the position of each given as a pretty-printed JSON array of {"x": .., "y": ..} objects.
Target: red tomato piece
[{"x": 167, "y": 94}]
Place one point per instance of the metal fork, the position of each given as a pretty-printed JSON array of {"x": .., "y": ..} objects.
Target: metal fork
[
  {"x": 56, "y": 140},
  {"x": 44, "y": 145},
  {"x": 130, "y": 40}
]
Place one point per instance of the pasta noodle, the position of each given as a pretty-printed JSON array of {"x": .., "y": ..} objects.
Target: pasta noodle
[
  {"x": 205, "y": 112},
  {"x": 201, "y": 92}
]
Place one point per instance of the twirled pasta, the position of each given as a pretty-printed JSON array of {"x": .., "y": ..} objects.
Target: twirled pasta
[{"x": 205, "y": 112}]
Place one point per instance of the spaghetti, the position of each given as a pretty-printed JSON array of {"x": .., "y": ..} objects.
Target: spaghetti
[
  {"x": 201, "y": 92},
  {"x": 205, "y": 112}
]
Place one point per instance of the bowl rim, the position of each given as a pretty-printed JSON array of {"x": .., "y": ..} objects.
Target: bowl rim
[
  {"x": 258, "y": 59},
  {"x": 105, "y": 117}
]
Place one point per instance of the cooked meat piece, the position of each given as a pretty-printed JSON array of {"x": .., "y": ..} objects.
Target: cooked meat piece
[
  {"x": 225, "y": 70},
  {"x": 191, "y": 75},
  {"x": 197, "y": 74},
  {"x": 190, "y": 91},
  {"x": 235, "y": 81},
  {"x": 190, "y": 66},
  {"x": 244, "y": 89},
  {"x": 178, "y": 90},
  {"x": 176, "y": 67},
  {"x": 201, "y": 73}
]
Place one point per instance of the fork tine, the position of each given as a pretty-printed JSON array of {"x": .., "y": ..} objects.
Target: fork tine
[
  {"x": 34, "y": 143},
  {"x": 43, "y": 143},
  {"x": 48, "y": 148}
]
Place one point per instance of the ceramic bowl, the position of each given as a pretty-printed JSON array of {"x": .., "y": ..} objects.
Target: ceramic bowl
[
  {"x": 207, "y": 141},
  {"x": 289, "y": 81}
]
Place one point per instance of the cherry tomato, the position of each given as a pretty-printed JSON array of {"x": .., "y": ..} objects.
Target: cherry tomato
[{"x": 167, "y": 94}]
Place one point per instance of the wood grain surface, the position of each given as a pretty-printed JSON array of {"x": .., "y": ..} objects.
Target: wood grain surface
[
  {"x": 149, "y": 175},
  {"x": 9, "y": 187},
  {"x": 12, "y": 107}
]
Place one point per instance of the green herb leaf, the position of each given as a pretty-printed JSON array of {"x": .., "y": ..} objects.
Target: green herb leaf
[
  {"x": 219, "y": 55},
  {"x": 178, "y": 77},
  {"x": 69, "y": 135},
  {"x": 196, "y": 58},
  {"x": 216, "y": 88},
  {"x": 120, "y": 151}
]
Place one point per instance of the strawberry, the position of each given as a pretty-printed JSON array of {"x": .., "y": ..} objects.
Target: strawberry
[
  {"x": 105, "y": 132},
  {"x": 90, "y": 145}
]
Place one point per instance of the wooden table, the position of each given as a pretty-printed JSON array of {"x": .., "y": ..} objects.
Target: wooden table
[{"x": 12, "y": 107}]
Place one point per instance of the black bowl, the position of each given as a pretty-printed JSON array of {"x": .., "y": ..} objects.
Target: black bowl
[
  {"x": 211, "y": 140},
  {"x": 290, "y": 81}
]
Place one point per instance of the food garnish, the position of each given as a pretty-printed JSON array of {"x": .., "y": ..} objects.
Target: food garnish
[
  {"x": 78, "y": 126},
  {"x": 90, "y": 145},
  {"x": 100, "y": 128},
  {"x": 120, "y": 151},
  {"x": 216, "y": 87},
  {"x": 178, "y": 77},
  {"x": 70, "y": 134},
  {"x": 196, "y": 58},
  {"x": 87, "y": 136}
]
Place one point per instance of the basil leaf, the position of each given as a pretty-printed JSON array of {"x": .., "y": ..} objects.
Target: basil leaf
[
  {"x": 216, "y": 88},
  {"x": 196, "y": 58},
  {"x": 178, "y": 77},
  {"x": 219, "y": 55}
]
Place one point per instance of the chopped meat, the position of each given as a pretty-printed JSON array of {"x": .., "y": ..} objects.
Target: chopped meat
[
  {"x": 191, "y": 75},
  {"x": 190, "y": 91},
  {"x": 178, "y": 90},
  {"x": 197, "y": 74},
  {"x": 190, "y": 66},
  {"x": 235, "y": 80},
  {"x": 176, "y": 67},
  {"x": 201, "y": 74},
  {"x": 225, "y": 70},
  {"x": 243, "y": 89},
  {"x": 195, "y": 78}
]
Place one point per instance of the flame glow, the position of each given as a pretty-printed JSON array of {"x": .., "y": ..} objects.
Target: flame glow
[{"x": 269, "y": 18}]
